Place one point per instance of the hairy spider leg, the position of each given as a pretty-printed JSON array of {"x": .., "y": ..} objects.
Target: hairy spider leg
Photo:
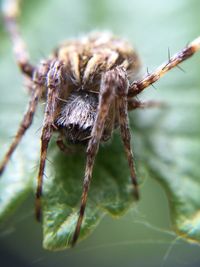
[
  {"x": 54, "y": 82},
  {"x": 63, "y": 147},
  {"x": 122, "y": 108},
  {"x": 106, "y": 97},
  {"x": 134, "y": 104},
  {"x": 114, "y": 84},
  {"x": 11, "y": 10},
  {"x": 10, "y": 13},
  {"x": 24, "y": 125},
  {"x": 60, "y": 143},
  {"x": 138, "y": 86},
  {"x": 37, "y": 88}
]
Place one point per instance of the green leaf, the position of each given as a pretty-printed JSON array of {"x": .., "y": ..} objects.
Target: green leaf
[
  {"x": 166, "y": 141},
  {"x": 171, "y": 151},
  {"x": 110, "y": 192}
]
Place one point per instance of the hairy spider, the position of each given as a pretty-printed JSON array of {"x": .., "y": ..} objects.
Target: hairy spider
[{"x": 89, "y": 86}]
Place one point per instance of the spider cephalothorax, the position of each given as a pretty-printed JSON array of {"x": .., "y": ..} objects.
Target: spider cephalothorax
[{"x": 89, "y": 85}]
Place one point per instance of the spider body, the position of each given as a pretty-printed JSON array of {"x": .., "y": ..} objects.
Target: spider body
[
  {"x": 85, "y": 60},
  {"x": 88, "y": 84}
]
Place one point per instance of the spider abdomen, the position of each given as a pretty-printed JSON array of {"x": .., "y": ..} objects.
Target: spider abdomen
[{"x": 77, "y": 116}]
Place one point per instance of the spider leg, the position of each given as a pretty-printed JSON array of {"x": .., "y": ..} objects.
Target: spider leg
[
  {"x": 122, "y": 108},
  {"x": 138, "y": 86},
  {"x": 109, "y": 84},
  {"x": 54, "y": 78},
  {"x": 134, "y": 104},
  {"x": 10, "y": 13},
  {"x": 63, "y": 147},
  {"x": 24, "y": 125}
]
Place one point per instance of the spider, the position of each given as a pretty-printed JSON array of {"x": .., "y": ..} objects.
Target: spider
[{"x": 88, "y": 85}]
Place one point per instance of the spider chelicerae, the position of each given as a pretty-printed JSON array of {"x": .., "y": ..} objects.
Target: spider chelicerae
[{"x": 88, "y": 85}]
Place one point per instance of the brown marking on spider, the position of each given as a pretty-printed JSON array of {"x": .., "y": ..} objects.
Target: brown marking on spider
[{"x": 89, "y": 86}]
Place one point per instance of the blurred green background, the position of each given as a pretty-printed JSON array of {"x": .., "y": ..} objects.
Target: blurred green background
[{"x": 143, "y": 237}]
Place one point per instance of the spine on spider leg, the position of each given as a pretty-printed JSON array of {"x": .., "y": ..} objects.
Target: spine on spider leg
[
  {"x": 138, "y": 86},
  {"x": 10, "y": 10}
]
